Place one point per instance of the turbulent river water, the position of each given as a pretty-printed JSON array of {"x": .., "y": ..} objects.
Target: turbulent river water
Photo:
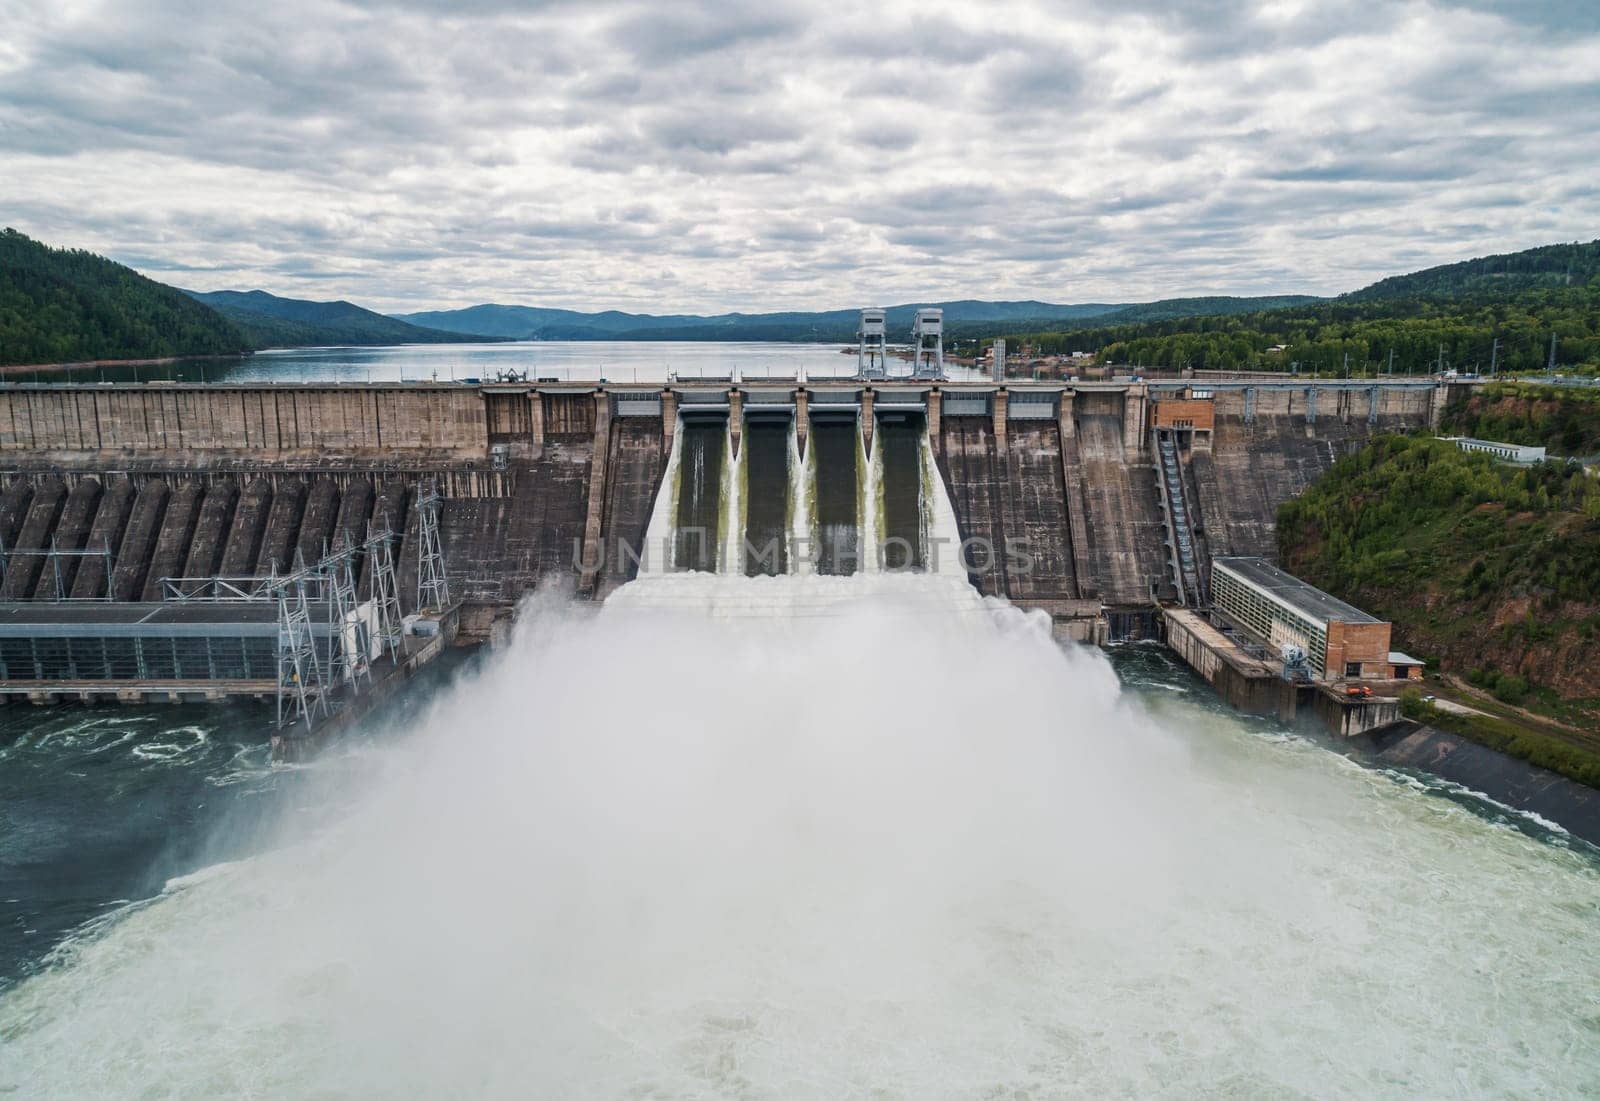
[{"x": 791, "y": 836}]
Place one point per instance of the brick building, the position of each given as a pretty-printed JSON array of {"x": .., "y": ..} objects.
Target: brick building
[{"x": 1279, "y": 610}]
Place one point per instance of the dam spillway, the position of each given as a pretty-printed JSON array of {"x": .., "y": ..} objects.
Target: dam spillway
[
  {"x": 835, "y": 471},
  {"x": 1058, "y": 495},
  {"x": 768, "y": 494}
]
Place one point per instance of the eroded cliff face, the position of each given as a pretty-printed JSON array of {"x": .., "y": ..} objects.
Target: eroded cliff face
[
  {"x": 1507, "y": 631},
  {"x": 1565, "y": 420}
]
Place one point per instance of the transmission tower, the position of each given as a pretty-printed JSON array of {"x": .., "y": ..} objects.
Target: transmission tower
[
  {"x": 385, "y": 591},
  {"x": 350, "y": 659},
  {"x": 300, "y": 679},
  {"x": 433, "y": 589}
]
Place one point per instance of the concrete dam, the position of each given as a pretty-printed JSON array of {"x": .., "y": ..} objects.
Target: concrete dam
[{"x": 1092, "y": 501}]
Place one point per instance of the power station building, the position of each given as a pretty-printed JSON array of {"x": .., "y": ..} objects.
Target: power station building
[{"x": 1339, "y": 640}]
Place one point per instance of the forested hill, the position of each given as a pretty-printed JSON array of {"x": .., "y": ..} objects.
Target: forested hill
[
  {"x": 1499, "y": 310},
  {"x": 67, "y": 305},
  {"x": 963, "y": 318},
  {"x": 1487, "y": 570},
  {"x": 1547, "y": 267},
  {"x": 273, "y": 322}
]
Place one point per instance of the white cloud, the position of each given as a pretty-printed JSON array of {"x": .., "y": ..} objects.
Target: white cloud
[{"x": 770, "y": 155}]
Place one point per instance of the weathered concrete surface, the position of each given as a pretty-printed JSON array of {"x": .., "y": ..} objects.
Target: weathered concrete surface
[
  {"x": 317, "y": 522},
  {"x": 22, "y": 569},
  {"x": 637, "y": 461},
  {"x": 974, "y": 476},
  {"x": 71, "y": 534},
  {"x": 547, "y": 516},
  {"x": 1253, "y": 468},
  {"x": 110, "y": 524},
  {"x": 1036, "y": 514},
  {"x": 261, "y": 419},
  {"x": 282, "y": 530},
  {"x": 1122, "y": 504},
  {"x": 1245, "y": 682},
  {"x": 593, "y": 555},
  {"x": 176, "y": 538},
  {"x": 14, "y": 504},
  {"x": 249, "y": 524},
  {"x": 139, "y": 540},
  {"x": 211, "y": 529}
]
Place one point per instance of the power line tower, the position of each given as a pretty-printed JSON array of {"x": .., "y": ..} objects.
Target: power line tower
[
  {"x": 300, "y": 679},
  {"x": 351, "y": 657},
  {"x": 385, "y": 590},
  {"x": 433, "y": 588}
]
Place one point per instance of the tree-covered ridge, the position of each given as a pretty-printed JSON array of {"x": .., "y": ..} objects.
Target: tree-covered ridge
[
  {"x": 68, "y": 305},
  {"x": 1564, "y": 419},
  {"x": 270, "y": 321},
  {"x": 1500, "y": 311},
  {"x": 1422, "y": 334},
  {"x": 1491, "y": 568},
  {"x": 1550, "y": 266}
]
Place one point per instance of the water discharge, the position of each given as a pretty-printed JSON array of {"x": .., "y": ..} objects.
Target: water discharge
[
  {"x": 837, "y": 473},
  {"x": 840, "y": 836}
]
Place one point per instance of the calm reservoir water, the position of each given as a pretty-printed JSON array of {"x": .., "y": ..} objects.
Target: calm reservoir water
[{"x": 615, "y": 361}]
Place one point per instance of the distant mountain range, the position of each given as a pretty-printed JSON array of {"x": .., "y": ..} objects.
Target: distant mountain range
[
  {"x": 536, "y": 323},
  {"x": 269, "y": 321},
  {"x": 68, "y": 305}
]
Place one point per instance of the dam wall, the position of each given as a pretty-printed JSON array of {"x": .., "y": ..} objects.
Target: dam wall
[
  {"x": 277, "y": 420},
  {"x": 106, "y": 491}
]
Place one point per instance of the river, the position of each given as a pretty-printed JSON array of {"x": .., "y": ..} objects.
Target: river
[{"x": 878, "y": 836}]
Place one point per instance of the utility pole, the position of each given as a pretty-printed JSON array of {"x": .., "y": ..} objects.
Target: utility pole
[
  {"x": 1440, "y": 369},
  {"x": 1347, "y": 365},
  {"x": 1552, "y": 365},
  {"x": 1494, "y": 356},
  {"x": 1391, "y": 362}
]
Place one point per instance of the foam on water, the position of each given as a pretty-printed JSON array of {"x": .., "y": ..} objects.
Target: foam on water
[{"x": 895, "y": 842}]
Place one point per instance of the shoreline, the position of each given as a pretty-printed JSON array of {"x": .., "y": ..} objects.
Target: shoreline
[
  {"x": 1480, "y": 770},
  {"x": 96, "y": 364}
]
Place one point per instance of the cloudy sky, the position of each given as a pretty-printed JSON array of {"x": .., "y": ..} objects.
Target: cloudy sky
[{"x": 767, "y": 155}]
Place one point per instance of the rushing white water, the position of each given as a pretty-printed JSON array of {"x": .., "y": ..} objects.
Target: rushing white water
[
  {"x": 895, "y": 843},
  {"x": 731, "y": 513},
  {"x": 944, "y": 537},
  {"x": 799, "y": 503},
  {"x": 869, "y": 504},
  {"x": 661, "y": 531}
]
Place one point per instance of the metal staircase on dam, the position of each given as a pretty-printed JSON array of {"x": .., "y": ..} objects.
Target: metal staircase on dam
[{"x": 1182, "y": 549}]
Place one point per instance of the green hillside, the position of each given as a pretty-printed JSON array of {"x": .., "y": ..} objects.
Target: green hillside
[
  {"x": 1564, "y": 419},
  {"x": 1547, "y": 267},
  {"x": 1460, "y": 316},
  {"x": 1490, "y": 571},
  {"x": 67, "y": 305},
  {"x": 273, "y": 322}
]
